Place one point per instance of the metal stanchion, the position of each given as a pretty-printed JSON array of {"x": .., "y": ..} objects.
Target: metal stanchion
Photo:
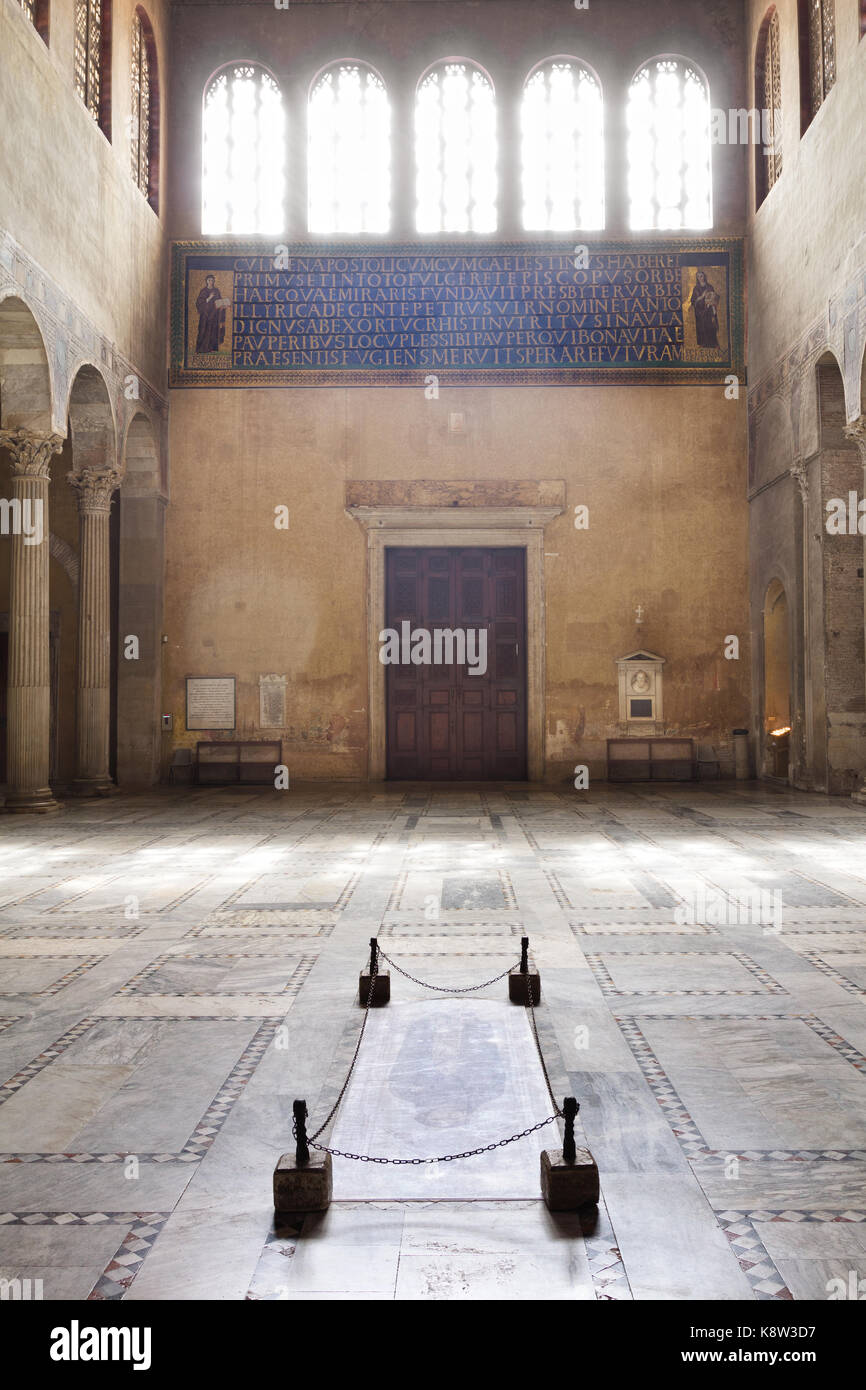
[
  {"x": 524, "y": 984},
  {"x": 374, "y": 972},
  {"x": 302, "y": 1181},
  {"x": 569, "y": 1176}
]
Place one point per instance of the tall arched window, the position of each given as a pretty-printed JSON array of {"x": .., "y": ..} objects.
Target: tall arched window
[
  {"x": 817, "y": 55},
  {"x": 144, "y": 119},
  {"x": 92, "y": 72},
  {"x": 349, "y": 151},
  {"x": 562, "y": 147},
  {"x": 768, "y": 100},
  {"x": 455, "y": 149},
  {"x": 243, "y": 174},
  {"x": 38, "y": 14},
  {"x": 669, "y": 150}
]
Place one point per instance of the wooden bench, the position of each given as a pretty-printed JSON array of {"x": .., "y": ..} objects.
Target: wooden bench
[
  {"x": 651, "y": 759},
  {"x": 249, "y": 762}
]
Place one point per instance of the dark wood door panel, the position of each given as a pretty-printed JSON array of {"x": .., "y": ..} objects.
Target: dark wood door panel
[{"x": 447, "y": 718}]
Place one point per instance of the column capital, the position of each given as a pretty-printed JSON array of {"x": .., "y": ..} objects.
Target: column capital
[
  {"x": 801, "y": 478},
  {"x": 31, "y": 453},
  {"x": 95, "y": 488},
  {"x": 856, "y": 431}
]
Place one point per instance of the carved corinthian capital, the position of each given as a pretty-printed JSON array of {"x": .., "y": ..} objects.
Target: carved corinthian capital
[
  {"x": 857, "y": 432},
  {"x": 801, "y": 478},
  {"x": 95, "y": 488},
  {"x": 31, "y": 453}
]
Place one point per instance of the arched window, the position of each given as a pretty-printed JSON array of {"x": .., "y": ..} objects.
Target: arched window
[
  {"x": 144, "y": 120},
  {"x": 669, "y": 150},
  {"x": 562, "y": 147},
  {"x": 93, "y": 59},
  {"x": 349, "y": 151},
  {"x": 768, "y": 100},
  {"x": 455, "y": 149},
  {"x": 817, "y": 55},
  {"x": 38, "y": 13},
  {"x": 243, "y": 173}
]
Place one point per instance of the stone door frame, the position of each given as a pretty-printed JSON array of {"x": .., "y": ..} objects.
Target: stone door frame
[{"x": 519, "y": 527}]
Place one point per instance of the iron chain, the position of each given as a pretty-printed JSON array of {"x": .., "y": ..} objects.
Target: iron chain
[
  {"x": 443, "y": 1158},
  {"x": 445, "y": 989},
  {"x": 334, "y": 1108}
]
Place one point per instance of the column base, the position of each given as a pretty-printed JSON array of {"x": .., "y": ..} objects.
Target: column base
[
  {"x": 93, "y": 786},
  {"x": 860, "y": 794},
  {"x": 35, "y": 803}
]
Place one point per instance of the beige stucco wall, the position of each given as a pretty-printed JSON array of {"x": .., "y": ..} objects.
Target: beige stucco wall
[{"x": 661, "y": 470}]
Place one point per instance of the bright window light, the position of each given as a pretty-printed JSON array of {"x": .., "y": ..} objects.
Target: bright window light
[
  {"x": 243, "y": 174},
  {"x": 349, "y": 151},
  {"x": 669, "y": 150},
  {"x": 562, "y": 148},
  {"x": 455, "y": 150}
]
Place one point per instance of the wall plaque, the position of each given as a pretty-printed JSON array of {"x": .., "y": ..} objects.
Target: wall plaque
[
  {"x": 640, "y": 689},
  {"x": 272, "y": 702},
  {"x": 663, "y": 312},
  {"x": 210, "y": 702}
]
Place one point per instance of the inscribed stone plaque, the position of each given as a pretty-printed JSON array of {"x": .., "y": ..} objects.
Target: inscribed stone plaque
[
  {"x": 272, "y": 702},
  {"x": 664, "y": 311},
  {"x": 210, "y": 702}
]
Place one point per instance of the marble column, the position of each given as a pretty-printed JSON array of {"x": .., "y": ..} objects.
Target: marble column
[
  {"x": 29, "y": 689},
  {"x": 95, "y": 488},
  {"x": 856, "y": 431}
]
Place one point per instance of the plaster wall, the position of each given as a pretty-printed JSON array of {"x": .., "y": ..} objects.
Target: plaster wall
[
  {"x": 66, "y": 192},
  {"x": 662, "y": 470}
]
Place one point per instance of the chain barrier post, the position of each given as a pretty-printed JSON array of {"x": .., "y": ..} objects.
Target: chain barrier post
[
  {"x": 302, "y": 1181},
  {"x": 376, "y": 978},
  {"x": 524, "y": 982},
  {"x": 569, "y": 1176},
  {"x": 569, "y": 1114},
  {"x": 302, "y": 1153}
]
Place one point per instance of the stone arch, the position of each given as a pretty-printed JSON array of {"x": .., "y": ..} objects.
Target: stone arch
[
  {"x": 830, "y": 387},
  {"x": 26, "y": 395},
  {"x": 91, "y": 421},
  {"x": 140, "y": 599},
  {"x": 140, "y": 457}
]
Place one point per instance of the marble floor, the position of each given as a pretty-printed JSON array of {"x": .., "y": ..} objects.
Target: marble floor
[{"x": 177, "y": 967}]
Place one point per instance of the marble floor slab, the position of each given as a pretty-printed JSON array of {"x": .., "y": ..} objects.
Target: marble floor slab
[{"x": 177, "y": 966}]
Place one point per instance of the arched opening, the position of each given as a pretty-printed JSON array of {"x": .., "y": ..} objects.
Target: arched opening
[
  {"x": 25, "y": 404},
  {"x": 85, "y": 515},
  {"x": 669, "y": 146},
  {"x": 844, "y": 668},
  {"x": 141, "y": 514},
  {"x": 243, "y": 151},
  {"x": 348, "y": 150},
  {"x": 777, "y": 682},
  {"x": 562, "y": 147},
  {"x": 768, "y": 100},
  {"x": 144, "y": 125},
  {"x": 25, "y": 379},
  {"x": 455, "y": 178}
]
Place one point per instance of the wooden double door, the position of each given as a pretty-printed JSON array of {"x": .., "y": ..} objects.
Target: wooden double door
[{"x": 444, "y": 721}]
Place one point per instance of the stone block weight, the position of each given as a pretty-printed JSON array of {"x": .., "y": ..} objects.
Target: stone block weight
[{"x": 303, "y": 1186}]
